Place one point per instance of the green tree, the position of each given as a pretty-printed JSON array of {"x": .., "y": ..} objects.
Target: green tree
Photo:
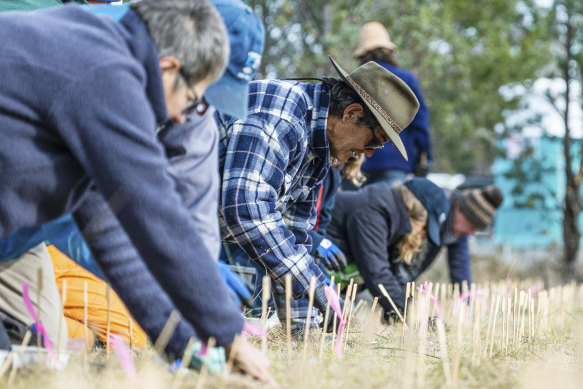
[
  {"x": 567, "y": 18},
  {"x": 462, "y": 52}
]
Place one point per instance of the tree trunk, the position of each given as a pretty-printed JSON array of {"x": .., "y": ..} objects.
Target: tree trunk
[{"x": 571, "y": 233}]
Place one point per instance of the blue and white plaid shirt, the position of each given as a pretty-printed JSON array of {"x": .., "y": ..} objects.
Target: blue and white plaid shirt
[{"x": 271, "y": 165}]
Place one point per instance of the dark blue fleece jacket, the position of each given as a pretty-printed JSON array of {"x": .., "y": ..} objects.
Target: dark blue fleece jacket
[{"x": 80, "y": 98}]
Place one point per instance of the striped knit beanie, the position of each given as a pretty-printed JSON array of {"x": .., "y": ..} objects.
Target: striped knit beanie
[{"x": 479, "y": 205}]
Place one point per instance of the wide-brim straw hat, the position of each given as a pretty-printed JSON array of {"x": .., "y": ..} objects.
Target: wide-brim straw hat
[
  {"x": 390, "y": 100},
  {"x": 373, "y": 35}
]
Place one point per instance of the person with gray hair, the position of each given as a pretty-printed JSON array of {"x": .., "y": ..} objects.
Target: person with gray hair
[{"x": 82, "y": 98}]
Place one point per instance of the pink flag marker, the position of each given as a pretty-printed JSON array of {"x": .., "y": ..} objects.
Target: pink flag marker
[
  {"x": 38, "y": 325},
  {"x": 124, "y": 355},
  {"x": 477, "y": 295},
  {"x": 335, "y": 305},
  {"x": 433, "y": 298},
  {"x": 252, "y": 330}
]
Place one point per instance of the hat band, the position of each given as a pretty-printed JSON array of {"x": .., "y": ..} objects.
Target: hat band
[{"x": 372, "y": 102}]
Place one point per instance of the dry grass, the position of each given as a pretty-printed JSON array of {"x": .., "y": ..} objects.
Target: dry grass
[{"x": 544, "y": 352}]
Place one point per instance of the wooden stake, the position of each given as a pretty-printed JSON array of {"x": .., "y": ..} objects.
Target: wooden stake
[
  {"x": 443, "y": 352},
  {"x": 335, "y": 318},
  {"x": 265, "y": 296},
  {"x": 204, "y": 369},
  {"x": 384, "y": 292},
  {"x": 107, "y": 323},
  {"x": 368, "y": 325},
  {"x": 309, "y": 319},
  {"x": 186, "y": 358},
  {"x": 130, "y": 326},
  {"x": 476, "y": 341},
  {"x": 346, "y": 306},
  {"x": 85, "y": 325},
  {"x": 24, "y": 342},
  {"x": 288, "y": 316},
  {"x": 232, "y": 354},
  {"x": 508, "y": 316},
  {"x": 489, "y": 324},
  {"x": 61, "y": 317},
  {"x": 494, "y": 323},
  {"x": 354, "y": 289},
  {"x": 325, "y": 327},
  {"x": 39, "y": 279},
  {"x": 407, "y": 292},
  {"x": 166, "y": 332}
]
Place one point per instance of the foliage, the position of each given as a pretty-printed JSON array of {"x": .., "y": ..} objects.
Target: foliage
[{"x": 462, "y": 52}]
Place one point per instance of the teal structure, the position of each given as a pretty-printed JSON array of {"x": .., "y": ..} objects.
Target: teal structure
[{"x": 531, "y": 175}]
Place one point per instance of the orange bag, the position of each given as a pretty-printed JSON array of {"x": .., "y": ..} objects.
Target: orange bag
[{"x": 119, "y": 317}]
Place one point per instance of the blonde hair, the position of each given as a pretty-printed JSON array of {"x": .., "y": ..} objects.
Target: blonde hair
[
  {"x": 352, "y": 170},
  {"x": 410, "y": 244}
]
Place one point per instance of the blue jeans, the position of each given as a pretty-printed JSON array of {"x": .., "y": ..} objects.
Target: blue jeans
[{"x": 235, "y": 255}]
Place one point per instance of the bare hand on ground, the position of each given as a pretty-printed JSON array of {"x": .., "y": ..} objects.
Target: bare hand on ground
[{"x": 251, "y": 361}]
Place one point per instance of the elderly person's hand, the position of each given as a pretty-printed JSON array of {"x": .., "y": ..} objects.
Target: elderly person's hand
[{"x": 251, "y": 360}]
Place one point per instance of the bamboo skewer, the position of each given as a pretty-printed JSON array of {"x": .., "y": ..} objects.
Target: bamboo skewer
[
  {"x": 407, "y": 292},
  {"x": 39, "y": 278},
  {"x": 288, "y": 316},
  {"x": 325, "y": 326},
  {"x": 443, "y": 352},
  {"x": 25, "y": 341},
  {"x": 61, "y": 317},
  {"x": 85, "y": 325},
  {"x": 204, "y": 369},
  {"x": 494, "y": 324},
  {"x": 334, "y": 319},
  {"x": 309, "y": 319},
  {"x": 384, "y": 292},
  {"x": 232, "y": 354},
  {"x": 107, "y": 322},
  {"x": 131, "y": 329},
  {"x": 166, "y": 332},
  {"x": 186, "y": 358},
  {"x": 266, "y": 295},
  {"x": 346, "y": 306},
  {"x": 354, "y": 290}
]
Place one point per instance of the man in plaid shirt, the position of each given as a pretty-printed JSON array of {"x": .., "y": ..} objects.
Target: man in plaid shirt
[{"x": 273, "y": 162}]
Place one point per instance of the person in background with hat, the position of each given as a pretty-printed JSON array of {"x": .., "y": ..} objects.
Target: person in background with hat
[
  {"x": 273, "y": 163},
  {"x": 381, "y": 228},
  {"x": 386, "y": 165}
]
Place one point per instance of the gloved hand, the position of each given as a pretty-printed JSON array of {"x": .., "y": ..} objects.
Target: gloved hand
[
  {"x": 332, "y": 257},
  {"x": 237, "y": 287},
  {"x": 320, "y": 303}
]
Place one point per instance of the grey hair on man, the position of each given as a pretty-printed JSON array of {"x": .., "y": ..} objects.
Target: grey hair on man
[{"x": 190, "y": 30}]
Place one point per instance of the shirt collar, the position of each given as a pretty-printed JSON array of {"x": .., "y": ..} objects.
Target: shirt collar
[
  {"x": 318, "y": 137},
  {"x": 143, "y": 48}
]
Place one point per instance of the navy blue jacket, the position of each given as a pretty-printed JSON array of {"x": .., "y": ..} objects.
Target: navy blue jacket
[
  {"x": 367, "y": 225},
  {"x": 81, "y": 96},
  {"x": 415, "y": 136}
]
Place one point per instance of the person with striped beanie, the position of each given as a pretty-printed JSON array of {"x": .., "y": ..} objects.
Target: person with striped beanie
[{"x": 470, "y": 210}]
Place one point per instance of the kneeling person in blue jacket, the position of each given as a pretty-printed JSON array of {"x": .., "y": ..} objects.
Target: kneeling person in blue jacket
[{"x": 381, "y": 228}]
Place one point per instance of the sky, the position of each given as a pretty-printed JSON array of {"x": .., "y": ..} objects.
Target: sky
[{"x": 536, "y": 103}]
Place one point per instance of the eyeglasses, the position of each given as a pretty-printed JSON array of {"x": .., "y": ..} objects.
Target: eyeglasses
[
  {"x": 199, "y": 104},
  {"x": 375, "y": 144}
]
